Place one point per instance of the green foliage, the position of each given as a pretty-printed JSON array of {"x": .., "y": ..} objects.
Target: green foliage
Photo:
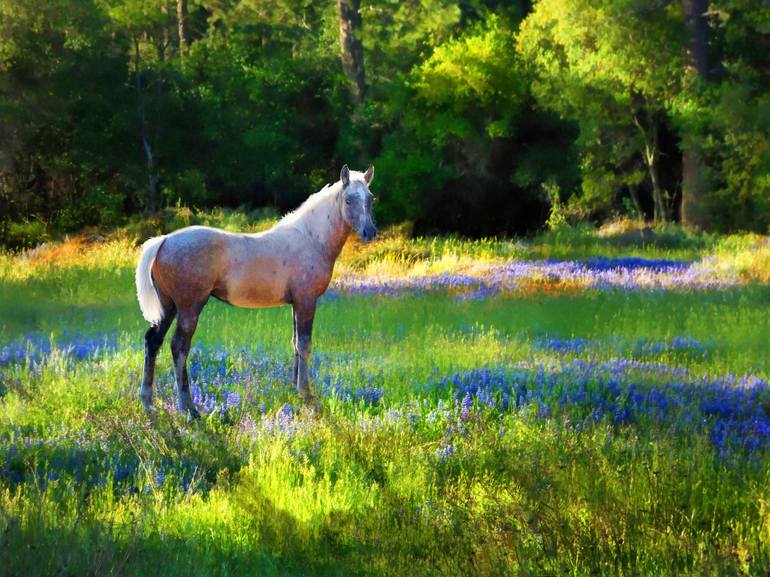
[
  {"x": 174, "y": 218},
  {"x": 26, "y": 234},
  {"x": 471, "y": 106},
  {"x": 606, "y": 66},
  {"x": 478, "y": 70},
  {"x": 734, "y": 122},
  {"x": 557, "y": 218},
  {"x": 63, "y": 104},
  {"x": 454, "y": 155},
  {"x": 619, "y": 70}
]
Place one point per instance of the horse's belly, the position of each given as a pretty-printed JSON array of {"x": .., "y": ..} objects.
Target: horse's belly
[
  {"x": 267, "y": 289},
  {"x": 257, "y": 297},
  {"x": 257, "y": 303}
]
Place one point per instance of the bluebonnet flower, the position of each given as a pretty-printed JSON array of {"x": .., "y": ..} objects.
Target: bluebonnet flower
[
  {"x": 634, "y": 263},
  {"x": 219, "y": 380},
  {"x": 35, "y": 348},
  {"x": 646, "y": 347},
  {"x": 557, "y": 345},
  {"x": 232, "y": 400},
  {"x": 285, "y": 417},
  {"x": 445, "y": 452},
  {"x": 491, "y": 280},
  {"x": 330, "y": 386},
  {"x": 466, "y": 405},
  {"x": 285, "y": 422},
  {"x": 91, "y": 462},
  {"x": 729, "y": 408}
]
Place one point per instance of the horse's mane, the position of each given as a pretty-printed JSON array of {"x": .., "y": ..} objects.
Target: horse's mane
[{"x": 313, "y": 201}]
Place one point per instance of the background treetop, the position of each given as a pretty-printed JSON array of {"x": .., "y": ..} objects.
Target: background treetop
[{"x": 482, "y": 117}]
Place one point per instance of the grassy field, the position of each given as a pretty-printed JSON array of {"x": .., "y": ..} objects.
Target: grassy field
[{"x": 584, "y": 403}]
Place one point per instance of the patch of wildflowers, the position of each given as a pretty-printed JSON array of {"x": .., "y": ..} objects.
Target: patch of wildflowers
[
  {"x": 35, "y": 348},
  {"x": 495, "y": 279},
  {"x": 729, "y": 409}
]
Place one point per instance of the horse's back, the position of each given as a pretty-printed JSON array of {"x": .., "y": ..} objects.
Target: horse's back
[
  {"x": 200, "y": 246},
  {"x": 190, "y": 262},
  {"x": 198, "y": 233},
  {"x": 261, "y": 268}
]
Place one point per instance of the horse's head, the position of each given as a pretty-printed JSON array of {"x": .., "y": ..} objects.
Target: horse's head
[{"x": 357, "y": 201}]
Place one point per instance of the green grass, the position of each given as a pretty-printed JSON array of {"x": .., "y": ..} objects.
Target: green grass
[{"x": 363, "y": 490}]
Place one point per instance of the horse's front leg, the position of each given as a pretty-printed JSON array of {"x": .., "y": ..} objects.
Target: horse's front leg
[
  {"x": 295, "y": 346},
  {"x": 304, "y": 312},
  {"x": 186, "y": 323}
]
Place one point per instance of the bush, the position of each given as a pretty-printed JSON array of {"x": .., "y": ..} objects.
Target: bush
[
  {"x": 170, "y": 219},
  {"x": 27, "y": 234}
]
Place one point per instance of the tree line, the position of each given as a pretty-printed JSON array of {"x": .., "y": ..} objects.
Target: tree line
[{"x": 483, "y": 117}]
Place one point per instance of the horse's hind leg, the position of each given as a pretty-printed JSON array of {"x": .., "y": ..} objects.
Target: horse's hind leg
[
  {"x": 153, "y": 339},
  {"x": 187, "y": 321}
]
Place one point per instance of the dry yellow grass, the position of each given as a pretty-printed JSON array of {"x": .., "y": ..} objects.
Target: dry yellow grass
[
  {"x": 76, "y": 252},
  {"x": 393, "y": 254}
]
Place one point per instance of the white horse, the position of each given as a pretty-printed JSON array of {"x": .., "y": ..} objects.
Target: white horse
[{"x": 292, "y": 263}]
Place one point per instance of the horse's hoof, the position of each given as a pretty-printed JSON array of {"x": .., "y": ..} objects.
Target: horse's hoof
[
  {"x": 193, "y": 414},
  {"x": 146, "y": 399},
  {"x": 313, "y": 405}
]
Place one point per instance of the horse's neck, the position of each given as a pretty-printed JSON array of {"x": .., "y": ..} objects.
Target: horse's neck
[{"x": 327, "y": 227}]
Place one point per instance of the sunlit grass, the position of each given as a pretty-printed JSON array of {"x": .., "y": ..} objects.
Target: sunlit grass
[{"x": 544, "y": 465}]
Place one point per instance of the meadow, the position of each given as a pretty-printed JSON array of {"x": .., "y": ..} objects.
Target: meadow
[{"x": 582, "y": 403}]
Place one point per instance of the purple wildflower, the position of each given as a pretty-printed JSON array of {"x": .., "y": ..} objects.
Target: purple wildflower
[
  {"x": 445, "y": 452},
  {"x": 466, "y": 405}
]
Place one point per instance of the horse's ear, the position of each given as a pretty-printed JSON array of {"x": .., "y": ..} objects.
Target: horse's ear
[
  {"x": 369, "y": 174},
  {"x": 345, "y": 175}
]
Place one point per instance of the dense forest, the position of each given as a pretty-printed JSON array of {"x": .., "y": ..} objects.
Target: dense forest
[{"x": 482, "y": 117}]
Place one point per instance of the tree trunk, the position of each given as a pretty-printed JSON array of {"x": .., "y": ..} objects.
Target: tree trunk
[
  {"x": 152, "y": 177},
  {"x": 651, "y": 154},
  {"x": 181, "y": 18},
  {"x": 693, "y": 189},
  {"x": 5, "y": 207},
  {"x": 698, "y": 29},
  {"x": 633, "y": 191},
  {"x": 162, "y": 42},
  {"x": 351, "y": 50},
  {"x": 693, "y": 179}
]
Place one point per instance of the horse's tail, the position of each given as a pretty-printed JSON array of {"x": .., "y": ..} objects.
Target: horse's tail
[{"x": 149, "y": 301}]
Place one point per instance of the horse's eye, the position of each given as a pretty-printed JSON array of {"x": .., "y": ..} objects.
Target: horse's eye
[{"x": 347, "y": 201}]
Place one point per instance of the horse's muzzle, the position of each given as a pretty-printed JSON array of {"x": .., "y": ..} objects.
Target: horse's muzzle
[{"x": 368, "y": 233}]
